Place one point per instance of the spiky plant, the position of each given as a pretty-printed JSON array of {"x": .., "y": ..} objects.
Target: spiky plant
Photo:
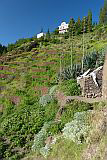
[{"x": 69, "y": 73}]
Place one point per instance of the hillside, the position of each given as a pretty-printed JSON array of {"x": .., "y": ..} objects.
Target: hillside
[{"x": 35, "y": 122}]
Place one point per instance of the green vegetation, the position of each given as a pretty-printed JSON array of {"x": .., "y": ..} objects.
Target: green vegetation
[{"x": 28, "y": 106}]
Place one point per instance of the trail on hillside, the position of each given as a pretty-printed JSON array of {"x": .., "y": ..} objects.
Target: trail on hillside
[{"x": 63, "y": 100}]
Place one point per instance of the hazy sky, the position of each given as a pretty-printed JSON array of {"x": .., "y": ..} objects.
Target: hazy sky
[{"x": 24, "y": 18}]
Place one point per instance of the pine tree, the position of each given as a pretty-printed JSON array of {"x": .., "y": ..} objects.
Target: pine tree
[
  {"x": 103, "y": 14},
  {"x": 71, "y": 26},
  {"x": 48, "y": 36},
  {"x": 89, "y": 21},
  {"x": 78, "y": 26}
]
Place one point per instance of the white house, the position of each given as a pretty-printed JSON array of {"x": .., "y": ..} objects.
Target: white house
[
  {"x": 63, "y": 27},
  {"x": 39, "y": 35}
]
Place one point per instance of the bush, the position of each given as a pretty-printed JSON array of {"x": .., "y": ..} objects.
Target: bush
[
  {"x": 77, "y": 130},
  {"x": 70, "y": 87},
  {"x": 45, "y": 99},
  {"x": 39, "y": 139},
  {"x": 71, "y": 109},
  {"x": 52, "y": 90},
  {"x": 20, "y": 125}
]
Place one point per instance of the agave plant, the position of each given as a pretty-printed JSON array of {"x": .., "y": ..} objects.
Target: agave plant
[
  {"x": 69, "y": 73},
  {"x": 94, "y": 59}
]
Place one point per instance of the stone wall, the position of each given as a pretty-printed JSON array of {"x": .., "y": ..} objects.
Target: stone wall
[{"x": 91, "y": 90}]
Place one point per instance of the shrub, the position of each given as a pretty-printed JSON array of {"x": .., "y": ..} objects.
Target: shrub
[
  {"x": 70, "y": 87},
  {"x": 45, "y": 150},
  {"x": 71, "y": 109},
  {"x": 45, "y": 99},
  {"x": 77, "y": 130},
  {"x": 52, "y": 90},
  {"x": 19, "y": 125},
  {"x": 39, "y": 139}
]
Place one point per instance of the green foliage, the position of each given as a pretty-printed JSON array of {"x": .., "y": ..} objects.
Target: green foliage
[
  {"x": 39, "y": 139},
  {"x": 50, "y": 111},
  {"x": 70, "y": 73},
  {"x": 71, "y": 109},
  {"x": 65, "y": 149},
  {"x": 55, "y": 128},
  {"x": 70, "y": 87},
  {"x": 103, "y": 14},
  {"x": 89, "y": 21},
  {"x": 20, "y": 125},
  {"x": 45, "y": 99},
  {"x": 10, "y": 47},
  {"x": 94, "y": 59},
  {"x": 52, "y": 90},
  {"x": 78, "y": 26},
  {"x": 3, "y": 49},
  {"x": 77, "y": 130},
  {"x": 56, "y": 31}
]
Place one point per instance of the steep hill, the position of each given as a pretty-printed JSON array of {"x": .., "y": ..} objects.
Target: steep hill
[{"x": 32, "y": 73}]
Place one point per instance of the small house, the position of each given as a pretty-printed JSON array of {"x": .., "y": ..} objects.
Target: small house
[
  {"x": 63, "y": 27},
  {"x": 39, "y": 35}
]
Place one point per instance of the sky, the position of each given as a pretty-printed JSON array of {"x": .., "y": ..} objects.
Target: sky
[{"x": 25, "y": 18}]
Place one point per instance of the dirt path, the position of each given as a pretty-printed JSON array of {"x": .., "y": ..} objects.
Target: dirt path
[
  {"x": 84, "y": 99},
  {"x": 63, "y": 100}
]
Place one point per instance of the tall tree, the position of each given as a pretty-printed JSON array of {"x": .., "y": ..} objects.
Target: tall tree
[
  {"x": 78, "y": 26},
  {"x": 48, "y": 35},
  {"x": 71, "y": 26},
  {"x": 89, "y": 21},
  {"x": 103, "y": 14},
  {"x": 101, "y": 19},
  {"x": 3, "y": 49}
]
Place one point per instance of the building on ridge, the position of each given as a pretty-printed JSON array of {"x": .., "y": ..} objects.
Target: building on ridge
[
  {"x": 63, "y": 27},
  {"x": 39, "y": 35}
]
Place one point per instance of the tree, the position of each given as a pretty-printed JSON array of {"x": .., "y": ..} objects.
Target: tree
[
  {"x": 48, "y": 35},
  {"x": 89, "y": 21},
  {"x": 103, "y": 14},
  {"x": 56, "y": 31},
  {"x": 3, "y": 49},
  {"x": 71, "y": 26},
  {"x": 78, "y": 26}
]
